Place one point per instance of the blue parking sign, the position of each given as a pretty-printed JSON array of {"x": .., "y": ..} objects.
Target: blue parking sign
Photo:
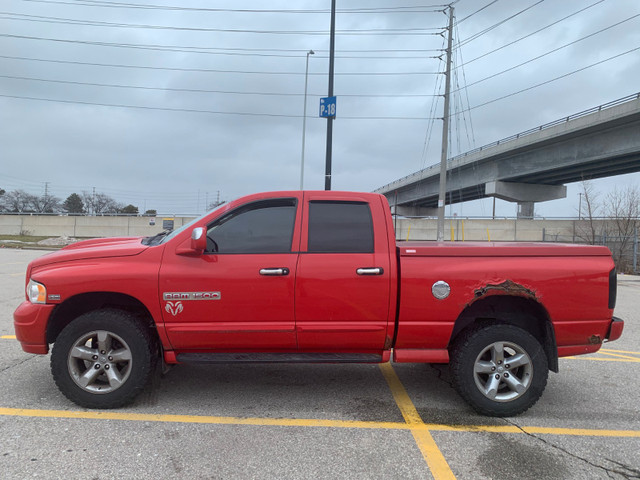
[{"x": 328, "y": 107}]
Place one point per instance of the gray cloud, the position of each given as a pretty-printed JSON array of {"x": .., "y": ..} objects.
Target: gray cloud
[{"x": 175, "y": 161}]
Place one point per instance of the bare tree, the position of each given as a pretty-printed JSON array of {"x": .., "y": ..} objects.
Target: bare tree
[
  {"x": 17, "y": 201},
  {"x": 99, "y": 203},
  {"x": 44, "y": 204},
  {"x": 622, "y": 207},
  {"x": 587, "y": 227}
]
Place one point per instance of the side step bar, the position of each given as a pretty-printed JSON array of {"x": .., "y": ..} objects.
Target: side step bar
[{"x": 209, "y": 358}]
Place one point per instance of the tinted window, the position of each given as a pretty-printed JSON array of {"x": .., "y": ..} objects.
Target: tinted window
[
  {"x": 340, "y": 227},
  {"x": 260, "y": 227}
]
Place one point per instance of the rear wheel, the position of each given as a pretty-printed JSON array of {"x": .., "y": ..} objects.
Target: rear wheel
[
  {"x": 499, "y": 369},
  {"x": 103, "y": 359}
]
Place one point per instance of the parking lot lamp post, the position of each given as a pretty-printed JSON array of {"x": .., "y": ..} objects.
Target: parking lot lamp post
[{"x": 304, "y": 119}]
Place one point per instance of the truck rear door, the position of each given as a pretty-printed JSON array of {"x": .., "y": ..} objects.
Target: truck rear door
[{"x": 343, "y": 279}]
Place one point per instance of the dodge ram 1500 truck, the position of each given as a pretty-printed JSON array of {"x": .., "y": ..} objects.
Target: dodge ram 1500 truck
[{"x": 314, "y": 277}]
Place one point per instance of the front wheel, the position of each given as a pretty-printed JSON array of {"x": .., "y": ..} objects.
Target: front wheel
[
  {"x": 499, "y": 369},
  {"x": 103, "y": 359}
]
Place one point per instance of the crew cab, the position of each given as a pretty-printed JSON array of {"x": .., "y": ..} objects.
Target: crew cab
[{"x": 314, "y": 277}]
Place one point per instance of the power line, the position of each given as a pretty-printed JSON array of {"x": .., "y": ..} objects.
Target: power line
[
  {"x": 496, "y": 25},
  {"x": 471, "y": 141},
  {"x": 143, "y": 107},
  {"x": 198, "y": 90},
  {"x": 400, "y": 9},
  {"x": 533, "y": 33},
  {"x": 553, "y": 51},
  {"x": 550, "y": 81},
  {"x": 150, "y": 67},
  {"x": 478, "y": 11},
  {"x": 213, "y": 70},
  {"x": 242, "y": 51},
  {"x": 432, "y": 115},
  {"x": 196, "y": 49},
  {"x": 94, "y": 23},
  {"x": 193, "y": 110}
]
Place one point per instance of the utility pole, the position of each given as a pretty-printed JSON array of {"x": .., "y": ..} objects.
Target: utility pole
[
  {"x": 445, "y": 133},
  {"x": 332, "y": 44}
]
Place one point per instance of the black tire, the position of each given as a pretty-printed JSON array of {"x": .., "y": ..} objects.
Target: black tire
[
  {"x": 499, "y": 384},
  {"x": 103, "y": 359}
]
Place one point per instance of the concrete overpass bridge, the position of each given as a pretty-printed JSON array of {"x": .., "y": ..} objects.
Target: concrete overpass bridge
[{"x": 532, "y": 166}]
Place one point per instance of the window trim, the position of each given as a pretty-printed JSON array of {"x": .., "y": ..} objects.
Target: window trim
[{"x": 254, "y": 205}]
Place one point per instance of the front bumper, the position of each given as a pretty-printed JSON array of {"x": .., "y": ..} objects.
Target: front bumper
[
  {"x": 615, "y": 329},
  {"x": 30, "y": 324}
]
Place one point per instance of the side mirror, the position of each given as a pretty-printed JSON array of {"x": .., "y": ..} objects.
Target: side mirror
[{"x": 199, "y": 240}]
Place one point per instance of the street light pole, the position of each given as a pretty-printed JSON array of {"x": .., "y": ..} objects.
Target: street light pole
[{"x": 304, "y": 119}]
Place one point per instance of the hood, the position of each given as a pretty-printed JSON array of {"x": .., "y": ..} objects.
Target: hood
[{"x": 97, "y": 248}]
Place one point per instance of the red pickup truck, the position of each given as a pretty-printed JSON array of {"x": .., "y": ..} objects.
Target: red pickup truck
[{"x": 314, "y": 277}]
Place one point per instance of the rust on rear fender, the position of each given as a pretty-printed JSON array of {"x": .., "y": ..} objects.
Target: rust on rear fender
[{"x": 508, "y": 287}]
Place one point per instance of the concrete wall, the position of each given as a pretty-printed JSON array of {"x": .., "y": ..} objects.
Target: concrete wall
[
  {"x": 414, "y": 228},
  {"x": 71, "y": 226},
  {"x": 499, "y": 230}
]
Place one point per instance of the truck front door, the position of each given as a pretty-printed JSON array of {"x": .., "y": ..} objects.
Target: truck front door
[{"x": 238, "y": 295}]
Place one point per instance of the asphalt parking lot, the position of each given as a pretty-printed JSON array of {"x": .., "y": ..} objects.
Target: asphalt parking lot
[{"x": 320, "y": 421}]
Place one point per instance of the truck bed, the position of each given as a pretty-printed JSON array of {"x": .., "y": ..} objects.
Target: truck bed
[{"x": 503, "y": 249}]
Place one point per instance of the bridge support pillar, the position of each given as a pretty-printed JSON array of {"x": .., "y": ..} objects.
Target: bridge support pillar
[
  {"x": 525, "y": 209},
  {"x": 525, "y": 194},
  {"x": 407, "y": 211}
]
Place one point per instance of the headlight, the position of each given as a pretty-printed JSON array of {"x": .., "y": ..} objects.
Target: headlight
[{"x": 36, "y": 292}]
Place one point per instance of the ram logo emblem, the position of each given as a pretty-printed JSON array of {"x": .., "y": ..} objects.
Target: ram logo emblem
[{"x": 174, "y": 308}]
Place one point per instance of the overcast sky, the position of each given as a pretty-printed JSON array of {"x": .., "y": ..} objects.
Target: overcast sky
[{"x": 168, "y": 106}]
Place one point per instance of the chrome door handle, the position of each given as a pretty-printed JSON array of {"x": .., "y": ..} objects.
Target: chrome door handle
[
  {"x": 274, "y": 272},
  {"x": 370, "y": 271}
]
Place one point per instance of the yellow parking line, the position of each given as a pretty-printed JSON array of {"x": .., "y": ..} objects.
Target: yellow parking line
[
  {"x": 577, "y": 432},
  {"x": 300, "y": 422},
  {"x": 437, "y": 463},
  {"x": 618, "y": 355},
  {"x": 619, "y": 351},
  {"x": 8, "y": 337},
  {"x": 634, "y": 360},
  {"x": 150, "y": 417}
]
